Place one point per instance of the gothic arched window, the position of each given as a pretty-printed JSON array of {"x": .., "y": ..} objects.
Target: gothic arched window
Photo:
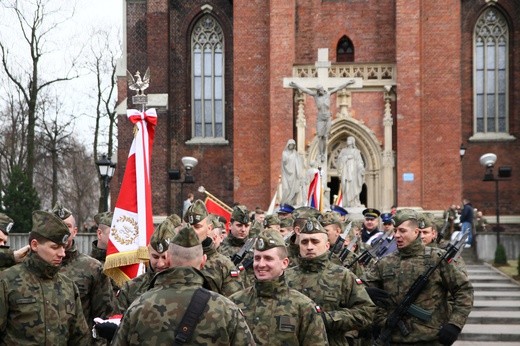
[
  {"x": 345, "y": 50},
  {"x": 207, "y": 73},
  {"x": 490, "y": 75}
]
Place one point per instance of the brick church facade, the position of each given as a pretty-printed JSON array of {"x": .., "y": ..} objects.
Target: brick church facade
[{"x": 431, "y": 75}]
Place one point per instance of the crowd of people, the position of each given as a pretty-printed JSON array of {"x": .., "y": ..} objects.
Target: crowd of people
[{"x": 295, "y": 277}]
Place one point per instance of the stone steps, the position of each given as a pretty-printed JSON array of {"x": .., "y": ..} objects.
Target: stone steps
[{"x": 495, "y": 317}]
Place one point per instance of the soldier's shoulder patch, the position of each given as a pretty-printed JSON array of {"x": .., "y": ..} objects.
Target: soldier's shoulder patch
[
  {"x": 234, "y": 273},
  {"x": 318, "y": 309},
  {"x": 359, "y": 281},
  {"x": 241, "y": 267}
]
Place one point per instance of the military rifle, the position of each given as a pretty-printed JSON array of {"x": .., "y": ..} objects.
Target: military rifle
[
  {"x": 336, "y": 248},
  {"x": 442, "y": 232},
  {"x": 239, "y": 256},
  {"x": 395, "y": 318},
  {"x": 367, "y": 255},
  {"x": 346, "y": 250}
]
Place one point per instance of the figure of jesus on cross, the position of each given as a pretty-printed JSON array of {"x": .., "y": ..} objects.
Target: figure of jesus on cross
[{"x": 322, "y": 100}]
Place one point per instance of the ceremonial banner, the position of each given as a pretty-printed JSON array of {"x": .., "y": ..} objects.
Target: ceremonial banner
[
  {"x": 314, "y": 196},
  {"x": 132, "y": 224},
  {"x": 216, "y": 206}
]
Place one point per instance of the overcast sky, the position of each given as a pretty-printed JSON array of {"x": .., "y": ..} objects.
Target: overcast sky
[{"x": 66, "y": 41}]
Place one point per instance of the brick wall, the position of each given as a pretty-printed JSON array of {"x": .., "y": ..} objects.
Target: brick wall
[
  {"x": 482, "y": 194},
  {"x": 251, "y": 103},
  {"x": 433, "y": 110}
]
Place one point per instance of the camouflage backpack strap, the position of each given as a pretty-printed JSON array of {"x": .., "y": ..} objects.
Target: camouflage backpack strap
[{"x": 191, "y": 317}]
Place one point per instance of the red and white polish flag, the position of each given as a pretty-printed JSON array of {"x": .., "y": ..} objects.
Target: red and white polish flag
[{"x": 132, "y": 224}]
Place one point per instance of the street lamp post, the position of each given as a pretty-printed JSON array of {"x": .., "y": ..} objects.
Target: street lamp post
[
  {"x": 106, "y": 169},
  {"x": 488, "y": 160},
  {"x": 175, "y": 176}
]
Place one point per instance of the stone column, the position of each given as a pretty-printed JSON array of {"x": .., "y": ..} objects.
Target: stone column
[{"x": 388, "y": 155}]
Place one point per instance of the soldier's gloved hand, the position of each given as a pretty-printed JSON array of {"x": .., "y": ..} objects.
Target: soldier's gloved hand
[
  {"x": 106, "y": 330},
  {"x": 448, "y": 334},
  {"x": 379, "y": 297}
]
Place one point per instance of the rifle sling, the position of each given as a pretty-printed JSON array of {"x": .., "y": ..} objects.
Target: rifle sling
[{"x": 191, "y": 317}]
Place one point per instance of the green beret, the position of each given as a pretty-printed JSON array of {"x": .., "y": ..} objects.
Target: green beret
[
  {"x": 271, "y": 219},
  {"x": 175, "y": 220},
  {"x": 305, "y": 213},
  {"x": 286, "y": 222},
  {"x": 330, "y": 218},
  {"x": 268, "y": 240},
  {"x": 186, "y": 237},
  {"x": 162, "y": 236},
  {"x": 6, "y": 223},
  {"x": 240, "y": 214},
  {"x": 312, "y": 225},
  {"x": 403, "y": 215},
  {"x": 371, "y": 212},
  {"x": 50, "y": 226},
  {"x": 426, "y": 220},
  {"x": 104, "y": 218},
  {"x": 61, "y": 212},
  {"x": 196, "y": 212}
]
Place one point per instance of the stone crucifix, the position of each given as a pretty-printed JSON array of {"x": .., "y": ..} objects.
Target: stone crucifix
[{"x": 321, "y": 88}]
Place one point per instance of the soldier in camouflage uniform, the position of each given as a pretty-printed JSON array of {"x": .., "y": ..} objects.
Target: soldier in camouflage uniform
[
  {"x": 393, "y": 275},
  {"x": 346, "y": 306},
  {"x": 276, "y": 314},
  {"x": 238, "y": 235},
  {"x": 39, "y": 305},
  {"x": 154, "y": 318},
  {"x": 286, "y": 226},
  {"x": 6, "y": 223},
  {"x": 95, "y": 289},
  {"x": 272, "y": 222},
  {"x": 99, "y": 246},
  {"x": 300, "y": 216},
  {"x": 159, "y": 261},
  {"x": 333, "y": 226},
  {"x": 429, "y": 231},
  {"x": 221, "y": 274},
  {"x": 9, "y": 257},
  {"x": 216, "y": 228}
]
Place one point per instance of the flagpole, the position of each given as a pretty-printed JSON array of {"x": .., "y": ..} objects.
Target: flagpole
[{"x": 218, "y": 201}]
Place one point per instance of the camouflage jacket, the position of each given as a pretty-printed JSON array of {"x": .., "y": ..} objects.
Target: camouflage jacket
[
  {"x": 132, "y": 289},
  {"x": 221, "y": 274},
  {"x": 101, "y": 256},
  {"x": 152, "y": 319},
  {"x": 458, "y": 262},
  {"x": 94, "y": 287},
  {"x": 339, "y": 293},
  {"x": 278, "y": 315},
  {"x": 40, "y": 306},
  {"x": 230, "y": 246},
  {"x": 98, "y": 253},
  {"x": 6, "y": 258},
  {"x": 396, "y": 273},
  {"x": 293, "y": 250}
]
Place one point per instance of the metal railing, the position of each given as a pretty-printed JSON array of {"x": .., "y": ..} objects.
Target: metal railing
[{"x": 83, "y": 241}]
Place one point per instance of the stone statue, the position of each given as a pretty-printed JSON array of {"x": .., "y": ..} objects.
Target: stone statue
[
  {"x": 322, "y": 99},
  {"x": 352, "y": 170},
  {"x": 292, "y": 174}
]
